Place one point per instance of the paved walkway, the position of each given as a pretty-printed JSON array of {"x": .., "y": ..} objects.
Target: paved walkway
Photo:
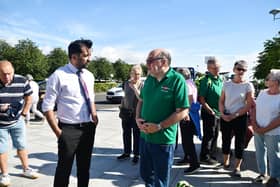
[{"x": 106, "y": 170}]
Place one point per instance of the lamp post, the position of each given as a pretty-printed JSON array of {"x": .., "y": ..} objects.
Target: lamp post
[{"x": 274, "y": 12}]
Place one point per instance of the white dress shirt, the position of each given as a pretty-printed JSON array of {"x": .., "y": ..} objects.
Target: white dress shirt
[{"x": 64, "y": 89}]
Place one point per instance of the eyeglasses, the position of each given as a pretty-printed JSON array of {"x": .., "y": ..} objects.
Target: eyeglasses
[
  {"x": 151, "y": 60},
  {"x": 215, "y": 68},
  {"x": 241, "y": 69}
]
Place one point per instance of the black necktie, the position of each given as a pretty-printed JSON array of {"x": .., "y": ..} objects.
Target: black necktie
[{"x": 84, "y": 90}]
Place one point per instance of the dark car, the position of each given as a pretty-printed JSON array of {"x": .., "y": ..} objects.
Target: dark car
[{"x": 42, "y": 91}]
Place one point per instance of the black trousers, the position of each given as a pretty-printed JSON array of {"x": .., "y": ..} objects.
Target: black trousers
[
  {"x": 129, "y": 125},
  {"x": 238, "y": 126},
  {"x": 188, "y": 130},
  {"x": 74, "y": 142},
  {"x": 210, "y": 135}
]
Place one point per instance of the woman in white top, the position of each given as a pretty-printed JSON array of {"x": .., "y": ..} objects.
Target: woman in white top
[
  {"x": 235, "y": 102},
  {"x": 267, "y": 128}
]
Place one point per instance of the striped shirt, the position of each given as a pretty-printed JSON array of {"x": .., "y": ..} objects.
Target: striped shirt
[{"x": 12, "y": 96}]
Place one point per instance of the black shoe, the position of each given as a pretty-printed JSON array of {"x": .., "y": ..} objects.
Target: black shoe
[
  {"x": 214, "y": 158},
  {"x": 272, "y": 182},
  {"x": 192, "y": 170},
  {"x": 236, "y": 173},
  {"x": 182, "y": 162},
  {"x": 124, "y": 157},
  {"x": 209, "y": 161},
  {"x": 259, "y": 179},
  {"x": 135, "y": 159}
]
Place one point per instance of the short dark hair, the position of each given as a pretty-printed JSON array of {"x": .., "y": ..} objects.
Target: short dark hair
[
  {"x": 185, "y": 72},
  {"x": 75, "y": 46}
]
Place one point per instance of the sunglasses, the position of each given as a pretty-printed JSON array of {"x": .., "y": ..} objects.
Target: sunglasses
[
  {"x": 241, "y": 69},
  {"x": 151, "y": 60}
]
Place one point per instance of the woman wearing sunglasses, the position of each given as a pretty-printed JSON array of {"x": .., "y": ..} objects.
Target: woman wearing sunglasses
[{"x": 234, "y": 104}]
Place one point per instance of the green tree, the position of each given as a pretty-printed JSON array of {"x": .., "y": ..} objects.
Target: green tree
[
  {"x": 6, "y": 51},
  {"x": 101, "y": 68},
  {"x": 28, "y": 58},
  {"x": 269, "y": 58},
  {"x": 57, "y": 57},
  {"x": 144, "y": 69},
  {"x": 122, "y": 70}
]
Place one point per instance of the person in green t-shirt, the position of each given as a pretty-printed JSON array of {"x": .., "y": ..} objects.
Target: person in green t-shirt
[
  {"x": 163, "y": 103},
  {"x": 210, "y": 89}
]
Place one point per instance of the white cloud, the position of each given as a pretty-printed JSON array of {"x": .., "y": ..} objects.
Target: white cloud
[
  {"x": 17, "y": 20},
  {"x": 45, "y": 42},
  {"x": 46, "y": 49},
  {"x": 80, "y": 30},
  {"x": 124, "y": 53}
]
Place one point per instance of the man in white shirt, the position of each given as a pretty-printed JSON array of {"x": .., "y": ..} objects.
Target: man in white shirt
[{"x": 71, "y": 88}]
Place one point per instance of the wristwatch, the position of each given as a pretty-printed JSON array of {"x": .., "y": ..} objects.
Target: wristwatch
[
  {"x": 236, "y": 114},
  {"x": 159, "y": 127}
]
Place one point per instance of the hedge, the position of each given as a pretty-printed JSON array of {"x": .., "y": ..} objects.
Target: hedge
[{"x": 104, "y": 86}]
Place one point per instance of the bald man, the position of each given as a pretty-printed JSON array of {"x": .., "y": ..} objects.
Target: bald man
[
  {"x": 163, "y": 103},
  {"x": 15, "y": 100}
]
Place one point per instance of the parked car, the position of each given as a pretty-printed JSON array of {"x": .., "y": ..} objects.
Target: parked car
[
  {"x": 42, "y": 91},
  {"x": 115, "y": 94}
]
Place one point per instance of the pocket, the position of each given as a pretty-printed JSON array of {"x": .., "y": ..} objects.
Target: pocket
[{"x": 59, "y": 139}]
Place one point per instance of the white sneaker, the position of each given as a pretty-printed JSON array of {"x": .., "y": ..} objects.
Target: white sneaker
[
  {"x": 30, "y": 173},
  {"x": 5, "y": 180}
]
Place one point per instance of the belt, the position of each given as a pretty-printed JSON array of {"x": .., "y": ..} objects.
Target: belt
[{"x": 76, "y": 125}]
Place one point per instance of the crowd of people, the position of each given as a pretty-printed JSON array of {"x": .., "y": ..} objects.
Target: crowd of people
[{"x": 221, "y": 105}]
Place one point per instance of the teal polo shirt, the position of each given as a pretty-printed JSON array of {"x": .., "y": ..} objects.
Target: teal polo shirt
[
  {"x": 211, "y": 89},
  {"x": 160, "y": 100}
]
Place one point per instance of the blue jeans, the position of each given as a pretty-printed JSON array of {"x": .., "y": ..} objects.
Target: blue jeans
[
  {"x": 17, "y": 133},
  {"x": 268, "y": 145},
  {"x": 155, "y": 163}
]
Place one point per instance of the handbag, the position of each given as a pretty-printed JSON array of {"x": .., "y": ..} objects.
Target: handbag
[{"x": 126, "y": 113}]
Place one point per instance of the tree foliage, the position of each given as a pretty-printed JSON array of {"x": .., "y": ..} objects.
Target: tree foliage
[
  {"x": 101, "y": 68},
  {"x": 6, "y": 51},
  {"x": 57, "y": 57},
  {"x": 122, "y": 70},
  {"x": 27, "y": 58},
  {"x": 269, "y": 58}
]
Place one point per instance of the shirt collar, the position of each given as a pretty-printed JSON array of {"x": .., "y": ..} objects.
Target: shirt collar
[
  {"x": 72, "y": 68},
  {"x": 212, "y": 76},
  {"x": 168, "y": 74}
]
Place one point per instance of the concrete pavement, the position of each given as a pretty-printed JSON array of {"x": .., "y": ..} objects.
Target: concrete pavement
[{"x": 106, "y": 171}]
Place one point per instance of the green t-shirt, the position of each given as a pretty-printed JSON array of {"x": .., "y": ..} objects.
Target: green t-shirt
[
  {"x": 160, "y": 100},
  {"x": 211, "y": 89}
]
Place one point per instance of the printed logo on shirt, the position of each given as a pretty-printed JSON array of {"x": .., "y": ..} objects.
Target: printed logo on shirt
[{"x": 165, "y": 88}]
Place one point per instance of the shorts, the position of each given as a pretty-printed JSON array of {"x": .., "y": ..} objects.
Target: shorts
[{"x": 17, "y": 133}]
